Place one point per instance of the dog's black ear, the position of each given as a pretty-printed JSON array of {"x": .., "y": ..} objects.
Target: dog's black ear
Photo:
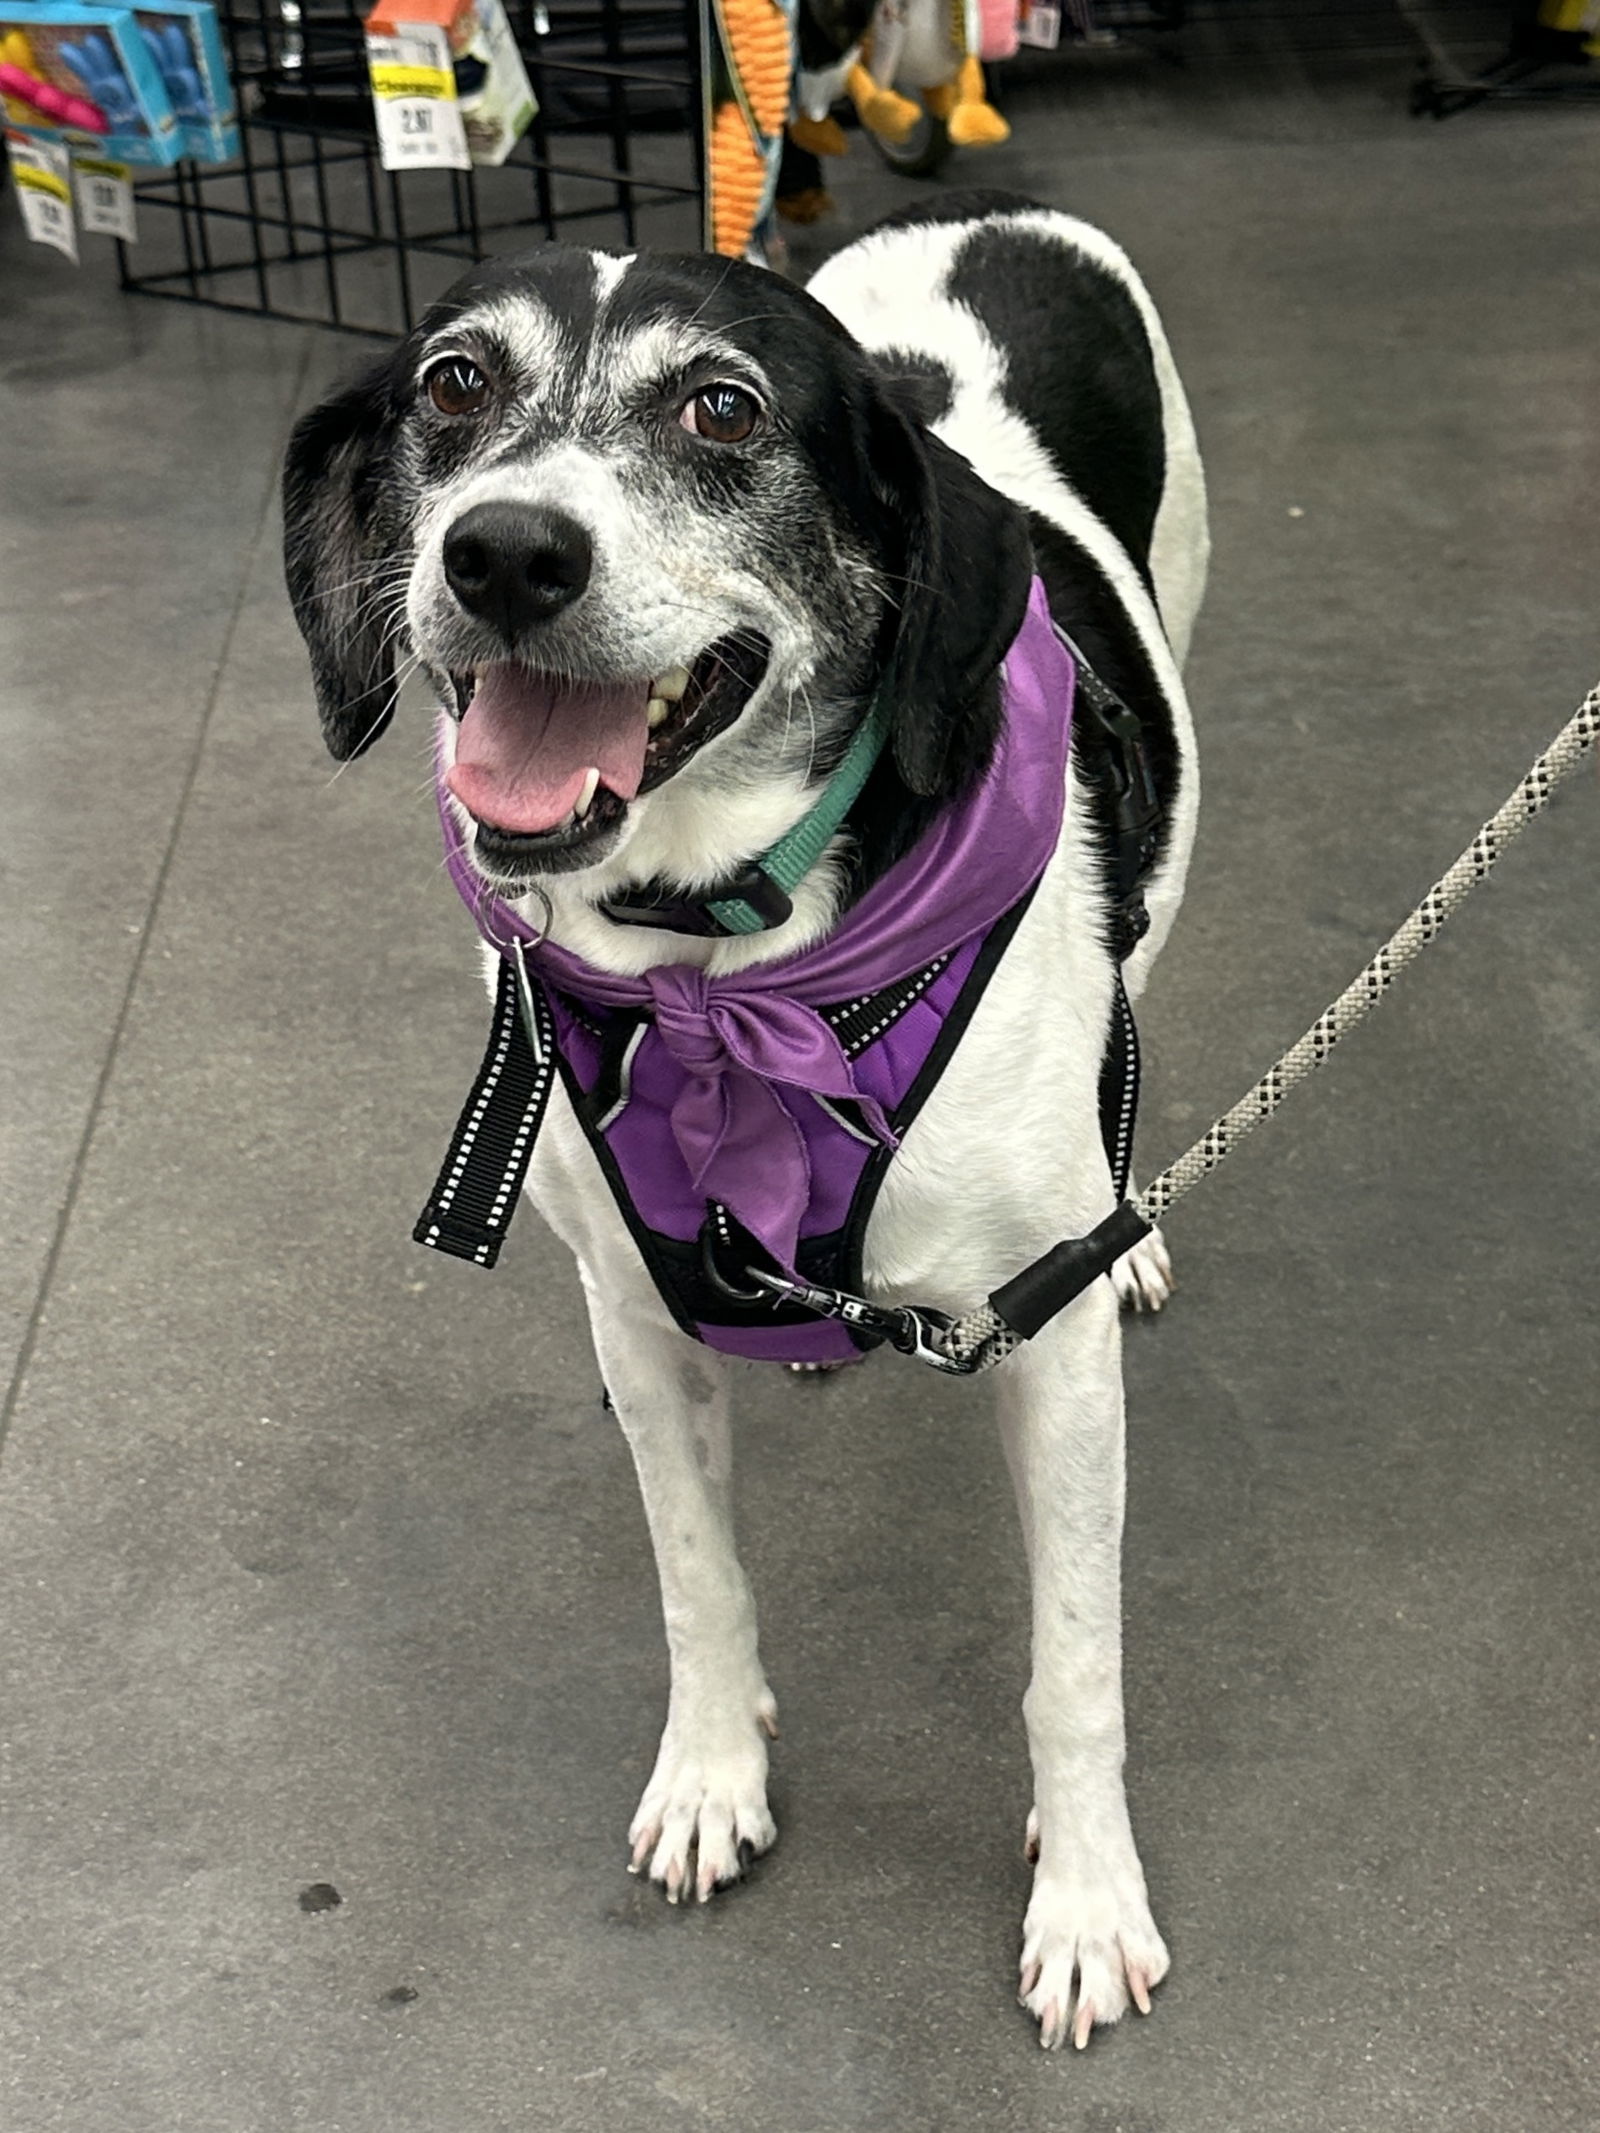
[
  {"x": 346, "y": 579},
  {"x": 961, "y": 590}
]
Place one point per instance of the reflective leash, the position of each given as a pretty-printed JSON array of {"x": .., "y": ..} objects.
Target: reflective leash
[{"x": 986, "y": 1336}]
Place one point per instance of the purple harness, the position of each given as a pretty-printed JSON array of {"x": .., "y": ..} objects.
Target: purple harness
[{"x": 755, "y": 1115}]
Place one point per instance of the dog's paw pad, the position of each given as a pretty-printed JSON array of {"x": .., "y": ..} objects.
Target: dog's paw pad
[
  {"x": 1086, "y": 1956},
  {"x": 1143, "y": 1278}
]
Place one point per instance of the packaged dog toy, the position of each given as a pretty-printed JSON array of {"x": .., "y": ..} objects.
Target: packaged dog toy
[
  {"x": 186, "y": 45},
  {"x": 448, "y": 84},
  {"x": 85, "y": 74}
]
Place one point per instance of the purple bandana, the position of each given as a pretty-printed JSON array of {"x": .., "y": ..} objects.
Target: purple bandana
[{"x": 747, "y": 1041}]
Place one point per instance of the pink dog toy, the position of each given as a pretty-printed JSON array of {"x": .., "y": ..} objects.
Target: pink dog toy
[{"x": 52, "y": 102}]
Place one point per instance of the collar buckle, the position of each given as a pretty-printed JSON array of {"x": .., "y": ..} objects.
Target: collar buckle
[{"x": 751, "y": 902}]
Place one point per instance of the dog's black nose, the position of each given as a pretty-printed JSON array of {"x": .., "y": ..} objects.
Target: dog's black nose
[{"x": 516, "y": 565}]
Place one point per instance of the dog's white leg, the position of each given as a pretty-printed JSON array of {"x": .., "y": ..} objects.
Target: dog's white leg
[
  {"x": 705, "y": 1808},
  {"x": 1089, "y": 1941}
]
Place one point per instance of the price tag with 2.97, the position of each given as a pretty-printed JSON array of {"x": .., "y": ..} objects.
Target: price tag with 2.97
[{"x": 414, "y": 98}]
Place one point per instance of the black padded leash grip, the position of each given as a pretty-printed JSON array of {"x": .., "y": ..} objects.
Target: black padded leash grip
[{"x": 1034, "y": 1296}]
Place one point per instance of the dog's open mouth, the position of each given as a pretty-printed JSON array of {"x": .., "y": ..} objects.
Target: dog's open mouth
[{"x": 547, "y": 766}]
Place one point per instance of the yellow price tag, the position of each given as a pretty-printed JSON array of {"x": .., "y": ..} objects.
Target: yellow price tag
[
  {"x": 44, "y": 181},
  {"x": 391, "y": 80}
]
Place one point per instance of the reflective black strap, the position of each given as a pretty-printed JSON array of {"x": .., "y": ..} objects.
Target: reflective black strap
[
  {"x": 477, "y": 1190},
  {"x": 860, "y": 1022},
  {"x": 1119, "y": 1088}
]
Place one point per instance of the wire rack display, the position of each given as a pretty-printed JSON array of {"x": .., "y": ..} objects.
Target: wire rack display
[{"x": 309, "y": 226}]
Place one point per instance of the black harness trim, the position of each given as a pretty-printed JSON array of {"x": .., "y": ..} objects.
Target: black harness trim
[
  {"x": 858, "y": 1023},
  {"x": 1119, "y": 1087},
  {"x": 620, "y": 1038}
]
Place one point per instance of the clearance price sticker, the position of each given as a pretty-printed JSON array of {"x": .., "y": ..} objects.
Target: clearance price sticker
[
  {"x": 414, "y": 97},
  {"x": 42, "y": 173},
  {"x": 105, "y": 198}
]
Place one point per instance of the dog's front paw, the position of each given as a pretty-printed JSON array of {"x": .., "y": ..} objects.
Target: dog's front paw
[
  {"x": 1087, "y": 1949},
  {"x": 1143, "y": 1277},
  {"x": 704, "y": 1814}
]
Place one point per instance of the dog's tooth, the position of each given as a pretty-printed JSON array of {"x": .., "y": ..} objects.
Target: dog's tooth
[
  {"x": 671, "y": 685},
  {"x": 657, "y": 710},
  {"x": 591, "y": 784}
]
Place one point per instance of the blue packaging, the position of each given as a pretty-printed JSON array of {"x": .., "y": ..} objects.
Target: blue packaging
[
  {"x": 187, "y": 47},
  {"x": 98, "y": 53}
]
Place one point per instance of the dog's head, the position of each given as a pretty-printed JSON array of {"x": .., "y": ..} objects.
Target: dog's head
[{"x": 652, "y": 527}]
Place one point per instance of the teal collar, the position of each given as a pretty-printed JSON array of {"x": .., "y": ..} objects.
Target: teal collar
[
  {"x": 791, "y": 859},
  {"x": 761, "y": 897}
]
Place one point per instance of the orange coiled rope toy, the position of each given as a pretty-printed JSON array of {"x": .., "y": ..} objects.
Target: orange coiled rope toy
[{"x": 749, "y": 103}]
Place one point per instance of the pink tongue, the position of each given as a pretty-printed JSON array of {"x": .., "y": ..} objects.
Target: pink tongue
[{"x": 527, "y": 742}]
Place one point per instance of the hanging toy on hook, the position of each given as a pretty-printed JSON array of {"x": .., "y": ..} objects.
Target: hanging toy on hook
[
  {"x": 935, "y": 47},
  {"x": 750, "y": 86},
  {"x": 912, "y": 69}
]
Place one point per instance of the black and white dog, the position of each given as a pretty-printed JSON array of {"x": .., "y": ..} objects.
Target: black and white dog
[{"x": 727, "y": 515}]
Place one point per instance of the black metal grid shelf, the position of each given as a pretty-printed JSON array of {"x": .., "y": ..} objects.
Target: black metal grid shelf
[{"x": 308, "y": 226}]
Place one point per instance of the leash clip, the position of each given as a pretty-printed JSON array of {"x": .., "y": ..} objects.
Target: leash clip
[{"x": 910, "y": 1329}]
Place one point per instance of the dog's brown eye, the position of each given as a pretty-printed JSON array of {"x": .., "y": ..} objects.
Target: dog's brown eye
[
  {"x": 722, "y": 413},
  {"x": 457, "y": 386}
]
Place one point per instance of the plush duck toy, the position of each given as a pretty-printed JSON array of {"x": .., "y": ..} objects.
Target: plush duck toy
[
  {"x": 932, "y": 46},
  {"x": 860, "y": 49}
]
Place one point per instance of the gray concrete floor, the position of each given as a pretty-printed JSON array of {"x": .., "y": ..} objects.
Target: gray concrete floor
[{"x": 319, "y": 1563}]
